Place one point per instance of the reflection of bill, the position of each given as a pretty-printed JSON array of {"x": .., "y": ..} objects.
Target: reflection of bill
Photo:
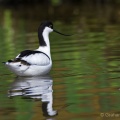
[{"x": 35, "y": 88}]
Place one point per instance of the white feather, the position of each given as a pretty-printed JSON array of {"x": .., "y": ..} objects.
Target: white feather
[{"x": 37, "y": 59}]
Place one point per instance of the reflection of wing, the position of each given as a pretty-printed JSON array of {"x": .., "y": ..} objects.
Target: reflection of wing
[{"x": 34, "y": 57}]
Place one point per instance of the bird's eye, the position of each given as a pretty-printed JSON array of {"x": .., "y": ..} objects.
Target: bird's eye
[
  {"x": 50, "y": 26},
  {"x": 19, "y": 65}
]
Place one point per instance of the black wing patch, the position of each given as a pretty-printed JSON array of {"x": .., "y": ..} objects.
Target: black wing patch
[
  {"x": 27, "y": 53},
  {"x": 22, "y": 61},
  {"x": 19, "y": 60},
  {"x": 30, "y": 52}
]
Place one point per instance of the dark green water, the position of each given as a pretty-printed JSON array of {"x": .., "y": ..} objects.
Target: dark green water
[{"x": 86, "y": 66}]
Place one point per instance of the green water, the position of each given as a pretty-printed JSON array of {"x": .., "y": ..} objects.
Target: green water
[{"x": 86, "y": 66}]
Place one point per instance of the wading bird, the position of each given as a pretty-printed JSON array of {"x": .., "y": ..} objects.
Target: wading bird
[{"x": 35, "y": 62}]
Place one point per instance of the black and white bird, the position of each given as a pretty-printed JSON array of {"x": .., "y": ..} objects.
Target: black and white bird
[{"x": 35, "y": 62}]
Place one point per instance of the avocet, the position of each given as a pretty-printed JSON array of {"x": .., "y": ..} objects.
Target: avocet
[{"x": 35, "y": 62}]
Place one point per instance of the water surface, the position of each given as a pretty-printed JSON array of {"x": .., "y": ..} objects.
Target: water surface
[{"x": 86, "y": 67}]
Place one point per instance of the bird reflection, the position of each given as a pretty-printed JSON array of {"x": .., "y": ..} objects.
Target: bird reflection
[{"x": 39, "y": 87}]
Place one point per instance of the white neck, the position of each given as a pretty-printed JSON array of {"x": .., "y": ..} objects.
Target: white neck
[{"x": 45, "y": 49}]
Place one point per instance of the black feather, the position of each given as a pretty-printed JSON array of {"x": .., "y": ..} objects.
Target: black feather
[
  {"x": 10, "y": 60},
  {"x": 22, "y": 61},
  {"x": 40, "y": 31},
  {"x": 27, "y": 53},
  {"x": 30, "y": 52},
  {"x": 41, "y": 39}
]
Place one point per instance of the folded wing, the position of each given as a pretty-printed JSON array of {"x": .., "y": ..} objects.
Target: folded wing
[{"x": 34, "y": 57}]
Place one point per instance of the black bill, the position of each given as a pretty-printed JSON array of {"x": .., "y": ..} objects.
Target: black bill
[{"x": 62, "y": 33}]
